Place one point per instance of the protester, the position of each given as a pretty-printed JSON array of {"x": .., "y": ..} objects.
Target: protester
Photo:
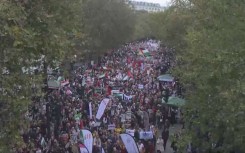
[{"x": 128, "y": 78}]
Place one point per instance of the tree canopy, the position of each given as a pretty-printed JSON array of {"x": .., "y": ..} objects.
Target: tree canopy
[
  {"x": 35, "y": 32},
  {"x": 213, "y": 61},
  {"x": 108, "y": 23},
  {"x": 30, "y": 29},
  {"x": 208, "y": 37}
]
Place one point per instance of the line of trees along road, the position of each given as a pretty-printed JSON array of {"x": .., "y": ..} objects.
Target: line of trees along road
[
  {"x": 57, "y": 29},
  {"x": 208, "y": 38},
  {"x": 207, "y": 35}
]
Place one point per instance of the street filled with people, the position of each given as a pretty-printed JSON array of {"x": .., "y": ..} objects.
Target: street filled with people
[{"x": 121, "y": 93}]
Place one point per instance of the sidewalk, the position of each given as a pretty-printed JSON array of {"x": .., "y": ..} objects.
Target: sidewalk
[{"x": 173, "y": 129}]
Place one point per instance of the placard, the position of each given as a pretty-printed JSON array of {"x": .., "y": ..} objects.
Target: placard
[
  {"x": 146, "y": 135},
  {"x": 111, "y": 126},
  {"x": 131, "y": 132},
  {"x": 140, "y": 86}
]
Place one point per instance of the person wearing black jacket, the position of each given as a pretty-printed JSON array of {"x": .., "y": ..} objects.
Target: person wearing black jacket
[
  {"x": 165, "y": 133},
  {"x": 136, "y": 135}
]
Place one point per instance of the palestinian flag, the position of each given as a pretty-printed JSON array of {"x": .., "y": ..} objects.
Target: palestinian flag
[
  {"x": 101, "y": 76},
  {"x": 78, "y": 116},
  {"x": 144, "y": 52},
  {"x": 118, "y": 95}
]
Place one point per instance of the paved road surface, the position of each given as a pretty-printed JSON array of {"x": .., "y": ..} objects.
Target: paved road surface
[{"x": 173, "y": 129}]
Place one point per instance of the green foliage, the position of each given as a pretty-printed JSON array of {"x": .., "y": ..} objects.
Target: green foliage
[
  {"x": 214, "y": 60},
  {"x": 29, "y": 29},
  {"x": 209, "y": 39},
  {"x": 108, "y": 23},
  {"x": 13, "y": 102},
  {"x": 171, "y": 26},
  {"x": 143, "y": 26}
]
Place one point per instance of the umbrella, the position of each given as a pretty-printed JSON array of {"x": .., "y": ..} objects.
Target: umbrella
[
  {"x": 175, "y": 101},
  {"x": 166, "y": 77}
]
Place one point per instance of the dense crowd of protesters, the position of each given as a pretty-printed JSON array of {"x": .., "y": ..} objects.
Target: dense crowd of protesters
[{"x": 57, "y": 119}]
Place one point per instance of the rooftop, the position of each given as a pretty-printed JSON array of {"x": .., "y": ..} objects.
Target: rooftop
[{"x": 144, "y": 3}]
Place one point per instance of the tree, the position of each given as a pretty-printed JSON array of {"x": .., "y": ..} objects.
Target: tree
[
  {"x": 30, "y": 29},
  {"x": 143, "y": 26},
  {"x": 208, "y": 37},
  {"x": 108, "y": 23},
  {"x": 171, "y": 25},
  {"x": 212, "y": 72}
]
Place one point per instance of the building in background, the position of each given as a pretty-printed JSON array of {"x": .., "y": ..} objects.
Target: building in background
[{"x": 145, "y": 6}]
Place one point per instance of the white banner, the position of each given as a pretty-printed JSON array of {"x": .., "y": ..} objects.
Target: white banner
[
  {"x": 102, "y": 150},
  {"x": 83, "y": 149},
  {"x": 140, "y": 86},
  {"x": 142, "y": 67},
  {"x": 115, "y": 91},
  {"x": 87, "y": 138},
  {"x": 111, "y": 126},
  {"x": 146, "y": 135},
  {"x": 127, "y": 98},
  {"x": 102, "y": 108},
  {"x": 131, "y": 132},
  {"x": 96, "y": 124},
  {"x": 129, "y": 143},
  {"x": 90, "y": 111}
]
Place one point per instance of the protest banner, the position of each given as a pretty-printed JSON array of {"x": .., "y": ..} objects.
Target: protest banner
[
  {"x": 140, "y": 86},
  {"x": 130, "y": 132},
  {"x": 102, "y": 150},
  {"x": 87, "y": 139},
  {"x": 146, "y": 135},
  {"x": 127, "y": 98},
  {"x": 102, "y": 108},
  {"x": 129, "y": 143},
  {"x": 111, "y": 126},
  {"x": 90, "y": 111},
  {"x": 96, "y": 124}
]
